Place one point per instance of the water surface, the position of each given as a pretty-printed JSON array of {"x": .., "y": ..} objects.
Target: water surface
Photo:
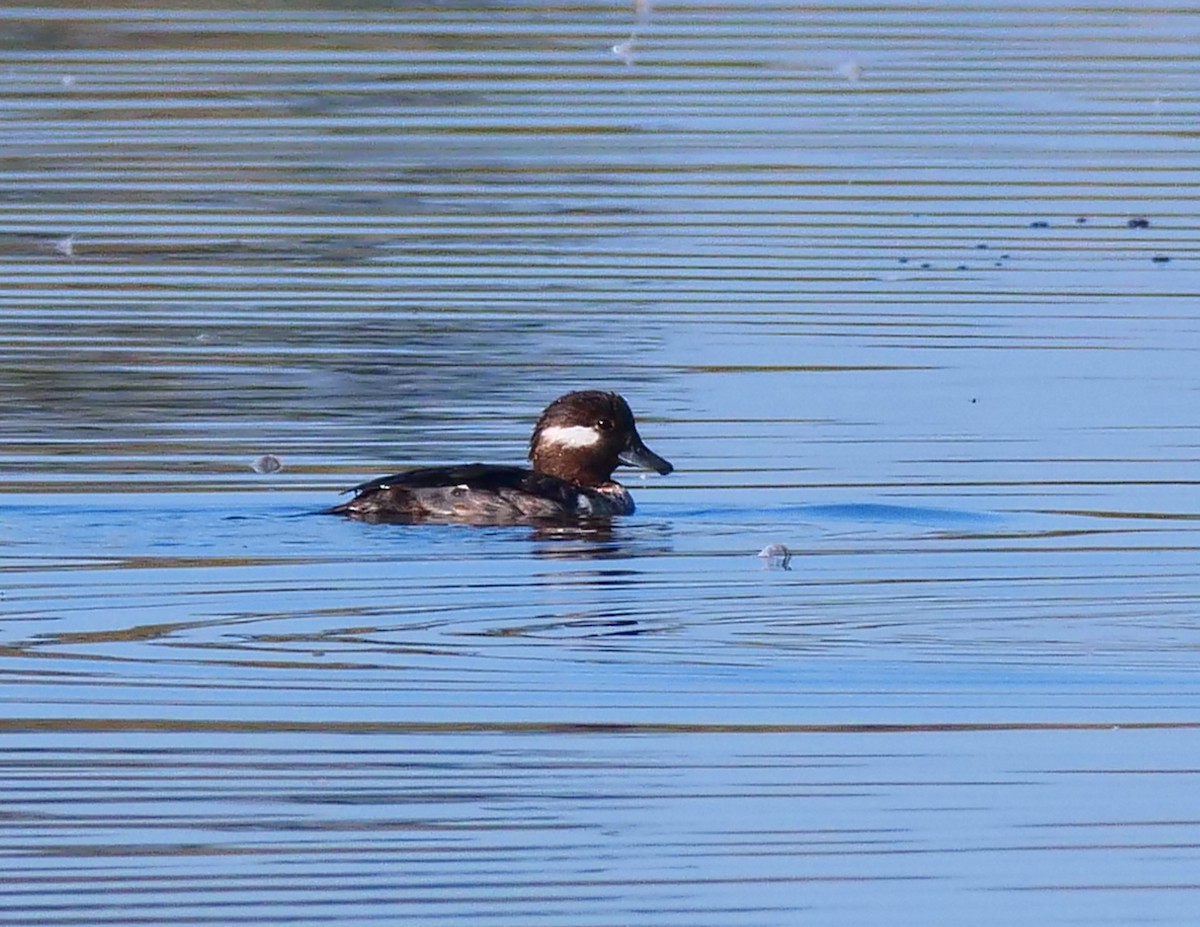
[{"x": 909, "y": 289}]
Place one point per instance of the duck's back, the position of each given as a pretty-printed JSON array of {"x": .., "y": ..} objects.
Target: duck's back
[{"x": 475, "y": 493}]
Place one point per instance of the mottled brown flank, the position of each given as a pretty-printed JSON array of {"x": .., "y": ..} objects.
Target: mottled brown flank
[
  {"x": 587, "y": 408},
  {"x": 481, "y": 494}
]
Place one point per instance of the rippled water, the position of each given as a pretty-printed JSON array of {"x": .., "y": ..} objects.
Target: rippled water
[{"x": 910, "y": 289}]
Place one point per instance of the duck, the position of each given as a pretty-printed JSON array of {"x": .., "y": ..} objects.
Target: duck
[{"x": 577, "y": 443}]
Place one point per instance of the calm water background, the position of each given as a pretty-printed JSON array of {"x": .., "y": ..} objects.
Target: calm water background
[{"x": 866, "y": 273}]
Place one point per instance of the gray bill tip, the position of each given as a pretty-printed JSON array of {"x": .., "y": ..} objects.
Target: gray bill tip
[{"x": 638, "y": 455}]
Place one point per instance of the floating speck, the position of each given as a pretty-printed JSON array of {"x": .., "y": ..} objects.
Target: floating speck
[
  {"x": 776, "y": 557},
  {"x": 267, "y": 463},
  {"x": 1138, "y": 222},
  {"x": 903, "y": 260},
  {"x": 624, "y": 50},
  {"x": 65, "y": 246},
  {"x": 851, "y": 70},
  {"x": 926, "y": 266},
  {"x": 1005, "y": 257},
  {"x": 1160, "y": 259},
  {"x": 1081, "y": 220},
  {"x": 962, "y": 266},
  {"x": 1039, "y": 224},
  {"x": 981, "y": 246},
  {"x": 998, "y": 264}
]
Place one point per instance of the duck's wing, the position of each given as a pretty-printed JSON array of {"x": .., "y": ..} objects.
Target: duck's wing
[
  {"x": 473, "y": 476},
  {"x": 472, "y": 492}
]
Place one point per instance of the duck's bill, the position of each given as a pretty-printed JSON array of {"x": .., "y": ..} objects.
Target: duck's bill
[{"x": 638, "y": 455}]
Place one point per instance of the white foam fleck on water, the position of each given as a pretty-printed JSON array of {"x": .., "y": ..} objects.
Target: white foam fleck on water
[
  {"x": 624, "y": 50},
  {"x": 776, "y": 556},
  {"x": 851, "y": 70}
]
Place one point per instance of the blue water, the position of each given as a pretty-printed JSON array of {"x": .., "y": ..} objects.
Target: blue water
[{"x": 908, "y": 291}]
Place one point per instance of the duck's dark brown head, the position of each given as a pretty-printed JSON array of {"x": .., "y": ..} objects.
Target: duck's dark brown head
[{"x": 583, "y": 436}]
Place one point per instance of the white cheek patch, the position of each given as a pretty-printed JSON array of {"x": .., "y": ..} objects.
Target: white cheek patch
[{"x": 570, "y": 436}]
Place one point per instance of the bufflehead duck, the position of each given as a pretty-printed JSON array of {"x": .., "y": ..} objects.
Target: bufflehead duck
[{"x": 577, "y": 443}]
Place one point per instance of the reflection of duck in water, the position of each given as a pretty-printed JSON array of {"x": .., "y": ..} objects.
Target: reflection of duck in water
[{"x": 577, "y": 443}]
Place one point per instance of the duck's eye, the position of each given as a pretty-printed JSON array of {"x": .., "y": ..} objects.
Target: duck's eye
[{"x": 605, "y": 424}]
